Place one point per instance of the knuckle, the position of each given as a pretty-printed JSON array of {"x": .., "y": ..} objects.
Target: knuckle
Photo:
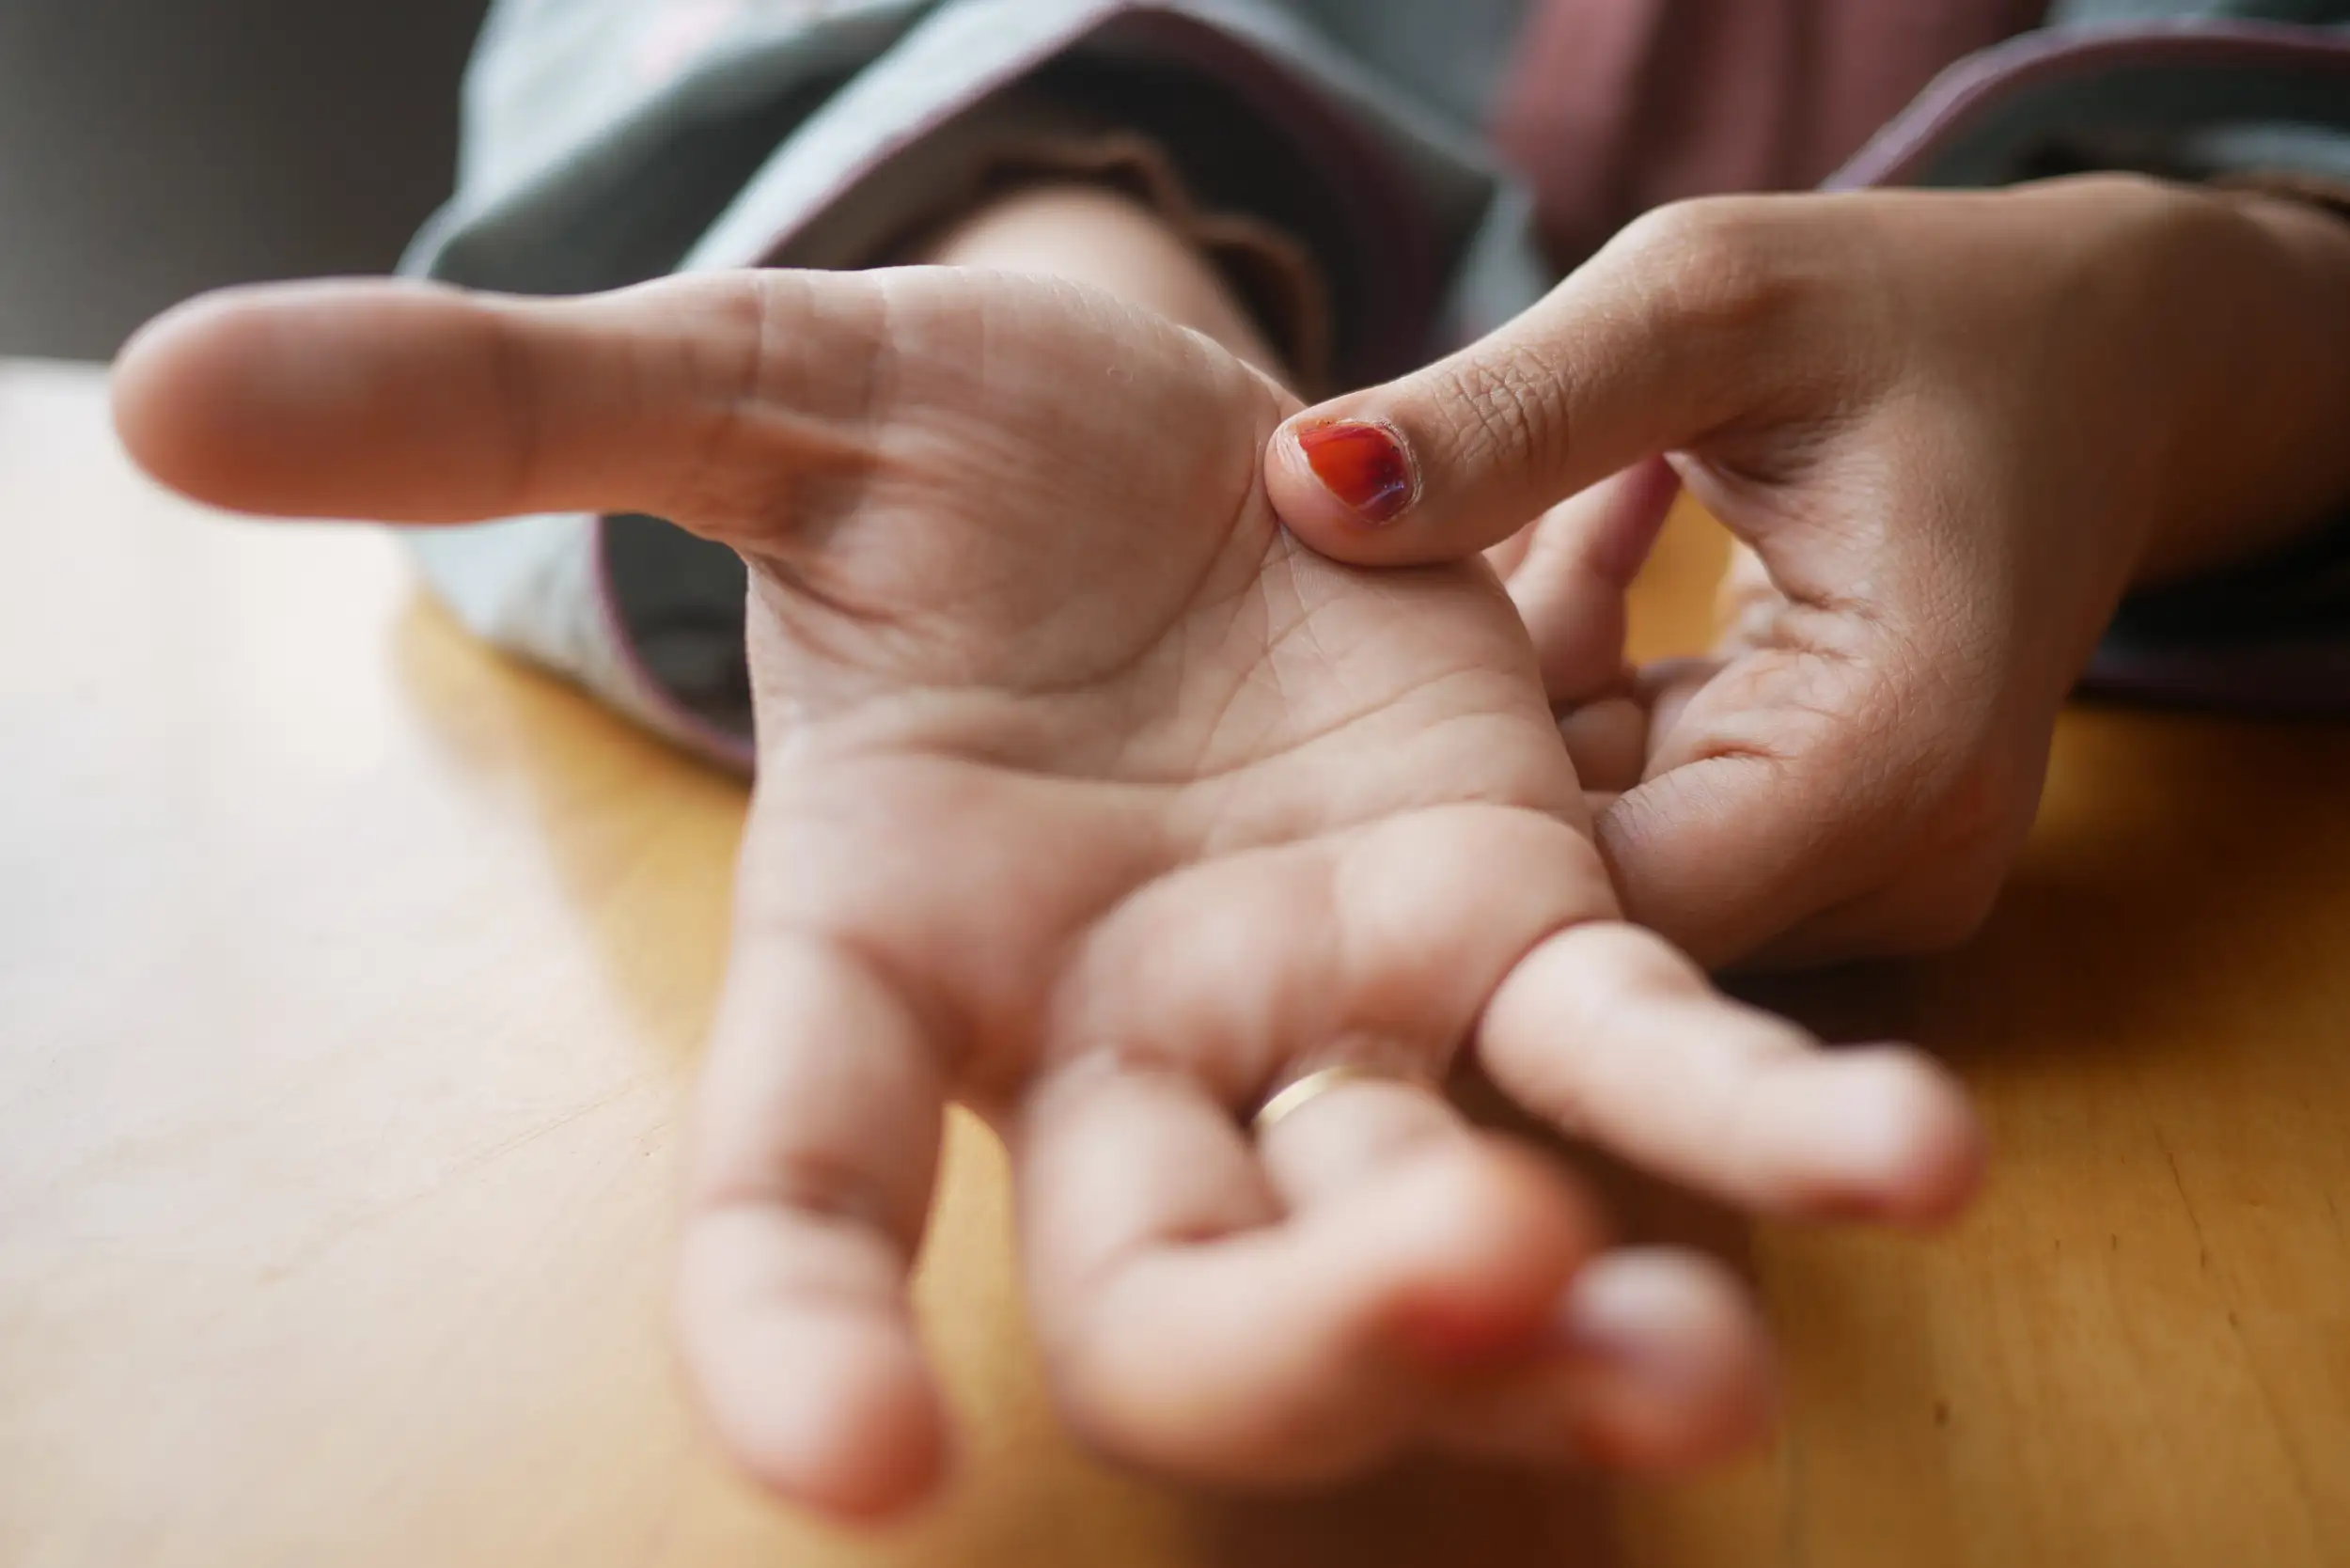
[
  {"x": 780, "y": 394},
  {"x": 1618, "y": 964},
  {"x": 1729, "y": 266},
  {"x": 721, "y": 350},
  {"x": 1676, "y": 229},
  {"x": 1592, "y": 984}
]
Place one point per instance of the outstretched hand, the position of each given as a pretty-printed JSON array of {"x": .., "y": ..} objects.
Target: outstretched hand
[{"x": 1089, "y": 797}]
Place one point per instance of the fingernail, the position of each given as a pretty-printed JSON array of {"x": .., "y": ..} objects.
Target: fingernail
[
  {"x": 1622, "y": 1318},
  {"x": 1365, "y": 465}
]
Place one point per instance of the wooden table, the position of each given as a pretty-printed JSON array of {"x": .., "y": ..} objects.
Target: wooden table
[{"x": 351, "y": 979}]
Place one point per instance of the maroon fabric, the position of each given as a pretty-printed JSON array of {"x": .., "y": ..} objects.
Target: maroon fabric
[{"x": 1615, "y": 106}]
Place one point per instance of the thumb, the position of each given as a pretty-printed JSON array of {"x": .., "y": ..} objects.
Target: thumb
[
  {"x": 698, "y": 399},
  {"x": 1676, "y": 328}
]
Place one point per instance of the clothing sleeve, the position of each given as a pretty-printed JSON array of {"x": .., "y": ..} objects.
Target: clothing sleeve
[
  {"x": 2254, "y": 92},
  {"x": 611, "y": 141}
]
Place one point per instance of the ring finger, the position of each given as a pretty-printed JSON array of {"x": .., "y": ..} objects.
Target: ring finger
[{"x": 1640, "y": 1358}]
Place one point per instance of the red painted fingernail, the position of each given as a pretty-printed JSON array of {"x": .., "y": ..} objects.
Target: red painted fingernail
[{"x": 1362, "y": 465}]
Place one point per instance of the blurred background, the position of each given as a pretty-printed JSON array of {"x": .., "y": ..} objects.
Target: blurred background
[{"x": 150, "y": 148}]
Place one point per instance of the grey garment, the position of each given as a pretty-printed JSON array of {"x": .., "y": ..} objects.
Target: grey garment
[
  {"x": 2188, "y": 91},
  {"x": 610, "y": 141}
]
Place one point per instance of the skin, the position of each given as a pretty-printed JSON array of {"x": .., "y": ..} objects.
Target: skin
[
  {"x": 1950, "y": 430},
  {"x": 1089, "y": 797}
]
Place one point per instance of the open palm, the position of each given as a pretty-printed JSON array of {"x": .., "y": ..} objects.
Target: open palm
[{"x": 1089, "y": 797}]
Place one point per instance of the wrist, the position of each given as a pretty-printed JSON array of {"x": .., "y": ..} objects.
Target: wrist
[{"x": 2260, "y": 452}]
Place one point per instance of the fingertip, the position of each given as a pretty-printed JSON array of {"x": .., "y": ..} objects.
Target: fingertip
[
  {"x": 1677, "y": 1365},
  {"x": 1878, "y": 1133},
  {"x": 1343, "y": 483},
  {"x": 798, "y": 1339},
  {"x": 1493, "y": 1232},
  {"x": 264, "y": 397},
  {"x": 830, "y": 1410},
  {"x": 158, "y": 388},
  {"x": 1915, "y": 1150},
  {"x": 1364, "y": 487}
]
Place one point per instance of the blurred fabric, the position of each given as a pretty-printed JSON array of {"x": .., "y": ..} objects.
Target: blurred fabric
[{"x": 150, "y": 148}]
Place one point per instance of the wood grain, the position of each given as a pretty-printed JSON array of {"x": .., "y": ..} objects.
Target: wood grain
[{"x": 351, "y": 979}]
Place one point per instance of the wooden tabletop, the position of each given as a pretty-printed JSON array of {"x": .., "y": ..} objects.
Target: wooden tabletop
[{"x": 351, "y": 978}]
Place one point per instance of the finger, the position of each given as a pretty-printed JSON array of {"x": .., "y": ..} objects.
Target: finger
[
  {"x": 1681, "y": 1364},
  {"x": 1351, "y": 1131},
  {"x": 1570, "y": 587},
  {"x": 1611, "y": 739},
  {"x": 1824, "y": 785},
  {"x": 1907, "y": 860},
  {"x": 1650, "y": 1361},
  {"x": 1774, "y": 783},
  {"x": 1366, "y": 1128},
  {"x": 817, "y": 1144},
  {"x": 1608, "y": 1031},
  {"x": 701, "y": 398},
  {"x": 1723, "y": 852},
  {"x": 1681, "y": 324},
  {"x": 1608, "y": 741},
  {"x": 1187, "y": 1325},
  {"x": 1664, "y": 1365},
  {"x": 1664, "y": 688}
]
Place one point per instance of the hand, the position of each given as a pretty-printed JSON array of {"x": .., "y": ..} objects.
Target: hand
[
  {"x": 1088, "y": 798},
  {"x": 1949, "y": 429}
]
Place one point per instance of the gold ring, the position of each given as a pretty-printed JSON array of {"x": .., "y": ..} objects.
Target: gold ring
[{"x": 1312, "y": 1087}]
